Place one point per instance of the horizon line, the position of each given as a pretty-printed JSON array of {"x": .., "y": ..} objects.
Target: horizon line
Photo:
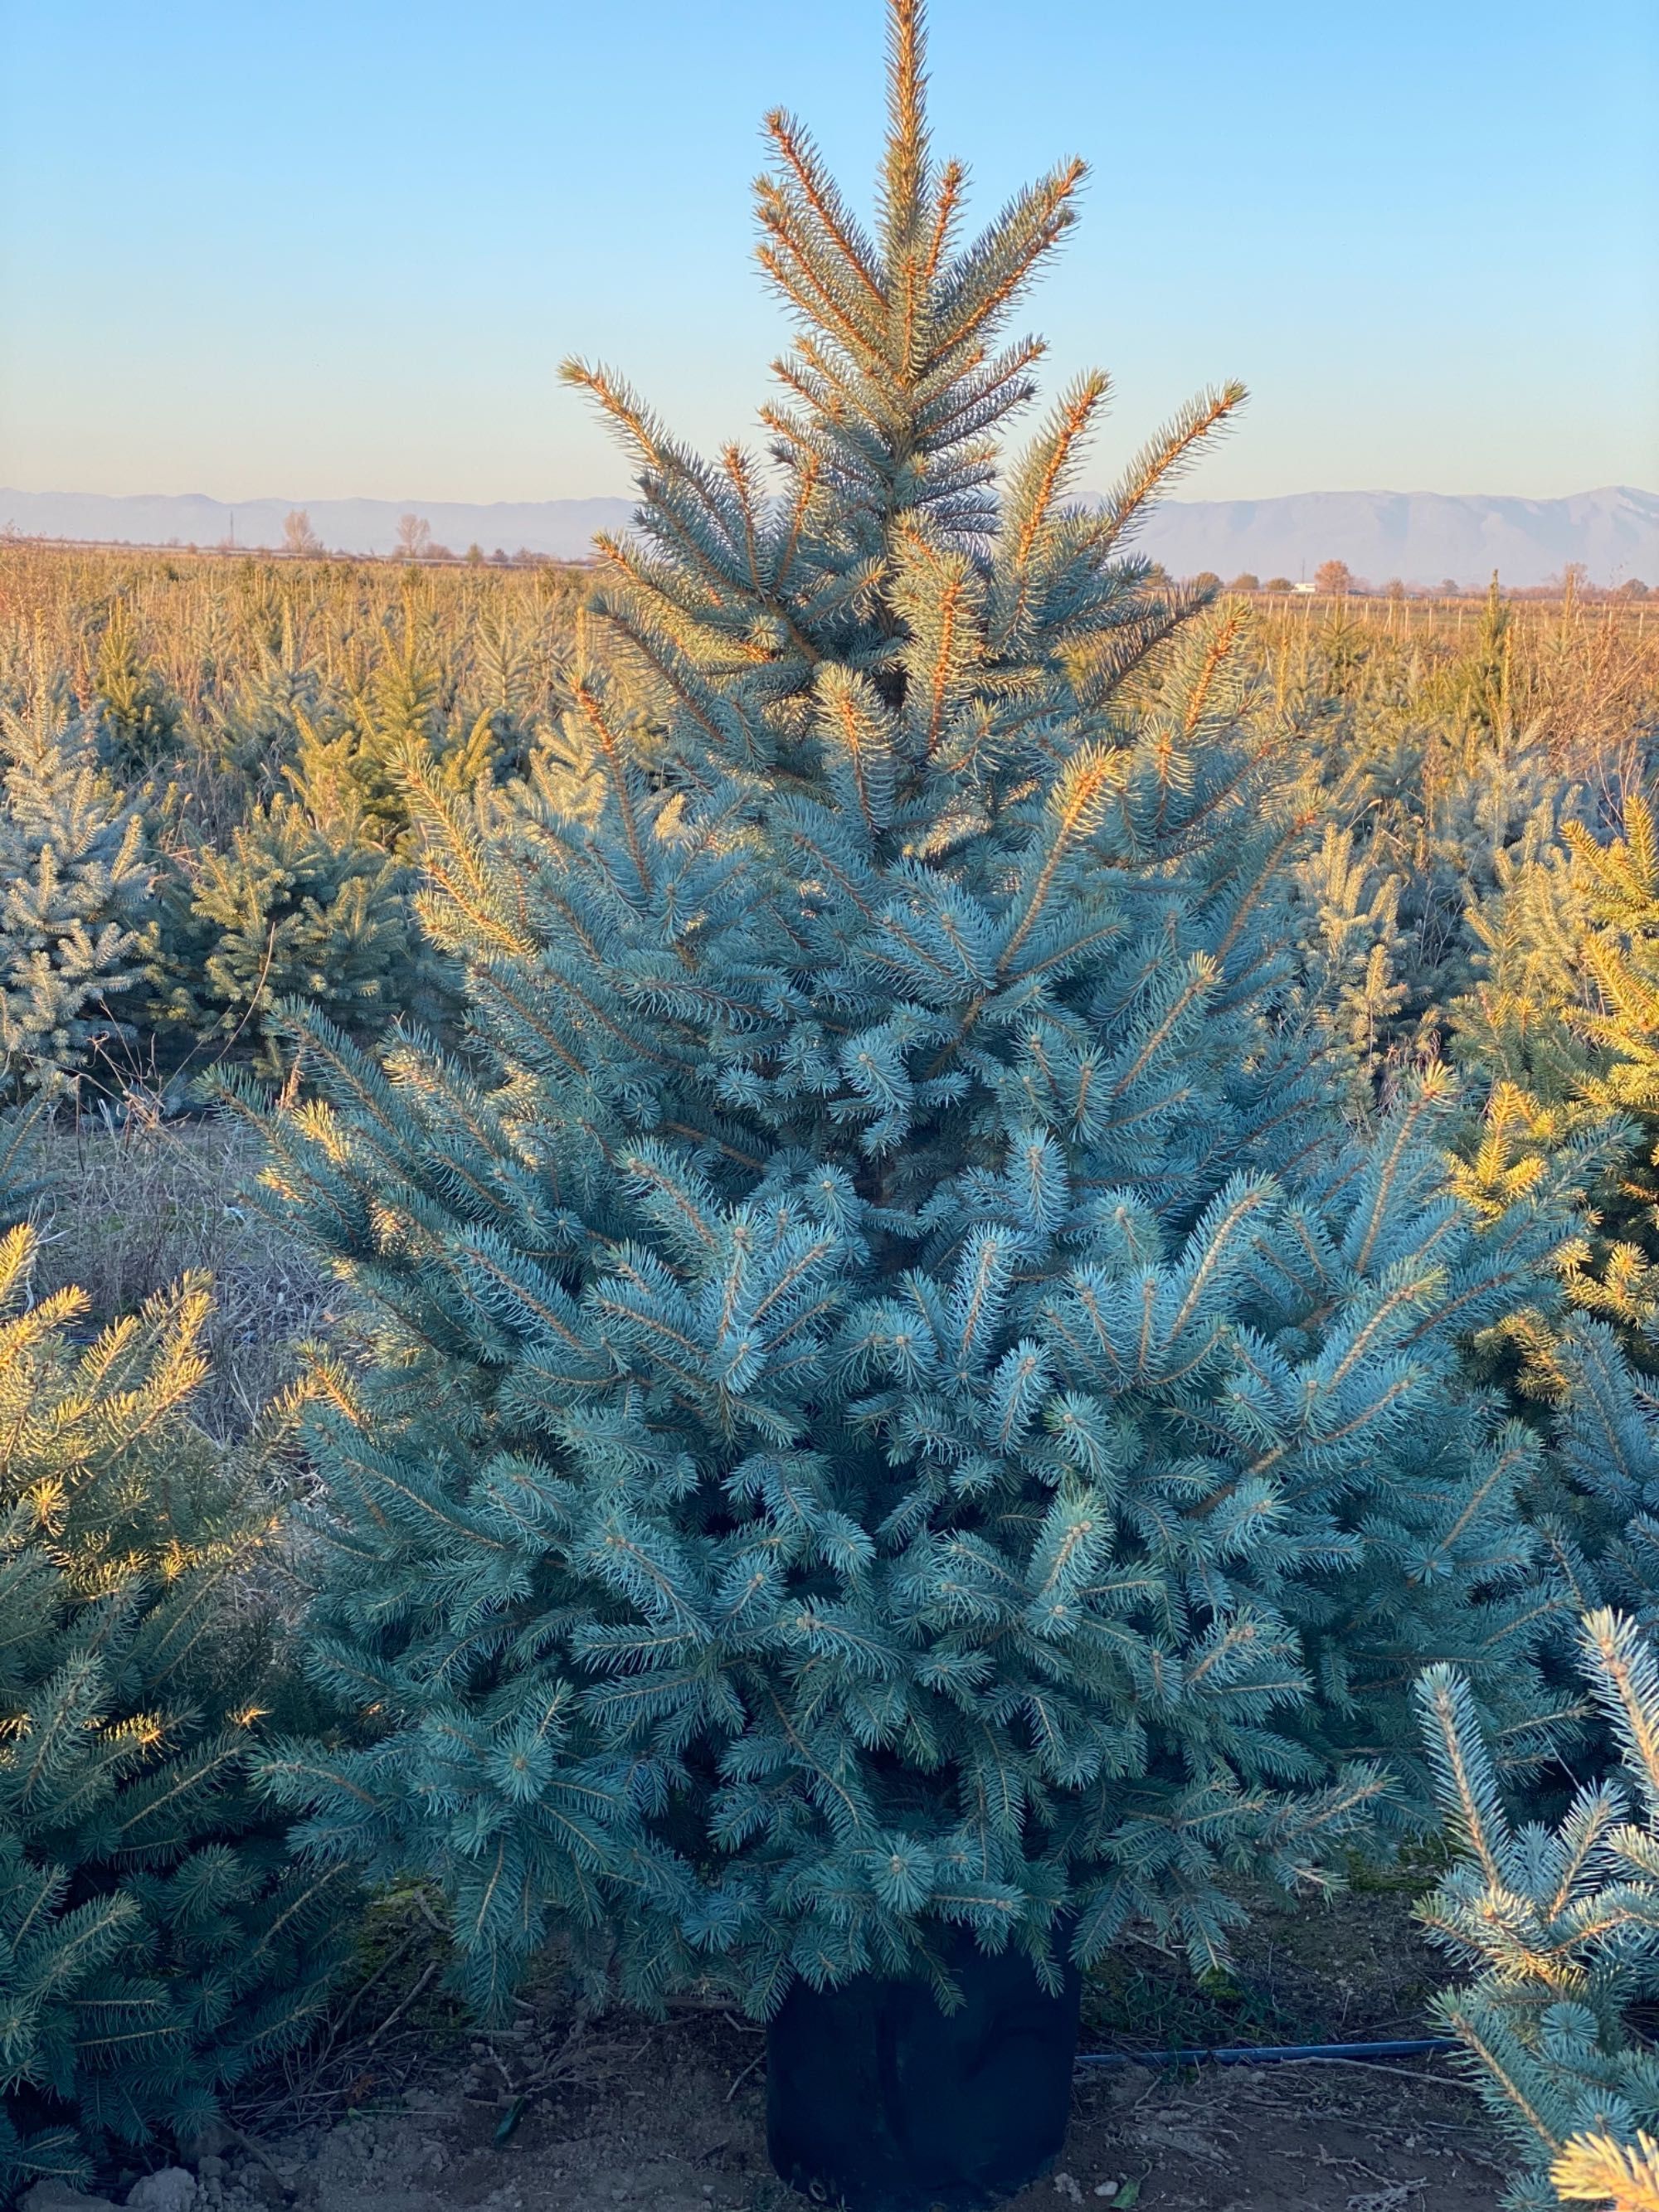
[{"x": 589, "y": 499}]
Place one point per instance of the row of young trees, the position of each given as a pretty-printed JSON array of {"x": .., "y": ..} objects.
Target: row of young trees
[
  {"x": 412, "y": 540},
  {"x": 1335, "y": 579},
  {"x": 936, "y": 1342},
  {"x": 224, "y": 827},
  {"x": 170, "y": 874},
  {"x": 240, "y": 732}
]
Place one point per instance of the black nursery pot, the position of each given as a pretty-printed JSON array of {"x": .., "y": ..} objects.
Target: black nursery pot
[{"x": 879, "y": 2101}]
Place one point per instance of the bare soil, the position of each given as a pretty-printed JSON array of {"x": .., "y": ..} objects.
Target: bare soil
[
  {"x": 672, "y": 2117},
  {"x": 563, "y": 2114}
]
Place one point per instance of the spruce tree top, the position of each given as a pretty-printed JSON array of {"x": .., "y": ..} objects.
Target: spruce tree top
[
  {"x": 890, "y": 1387},
  {"x": 895, "y": 692},
  {"x": 975, "y": 611}
]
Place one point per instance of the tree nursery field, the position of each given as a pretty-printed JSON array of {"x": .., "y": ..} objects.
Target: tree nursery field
[{"x": 815, "y": 1343}]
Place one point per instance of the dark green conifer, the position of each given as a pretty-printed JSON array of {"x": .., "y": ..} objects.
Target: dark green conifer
[
  {"x": 299, "y": 908},
  {"x": 135, "y": 714},
  {"x": 156, "y": 1939},
  {"x": 75, "y": 882}
]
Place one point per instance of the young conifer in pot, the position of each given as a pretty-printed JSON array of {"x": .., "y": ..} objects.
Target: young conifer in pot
[{"x": 889, "y": 1389}]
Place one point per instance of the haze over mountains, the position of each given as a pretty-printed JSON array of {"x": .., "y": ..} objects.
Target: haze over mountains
[
  {"x": 1420, "y": 536},
  {"x": 563, "y": 527}
]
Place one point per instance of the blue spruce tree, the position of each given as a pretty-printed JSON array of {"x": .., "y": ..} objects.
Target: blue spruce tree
[{"x": 895, "y": 1401}]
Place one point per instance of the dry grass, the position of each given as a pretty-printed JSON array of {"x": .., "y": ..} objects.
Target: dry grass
[{"x": 127, "y": 1206}]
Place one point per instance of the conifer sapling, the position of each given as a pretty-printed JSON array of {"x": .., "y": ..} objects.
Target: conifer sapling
[
  {"x": 1559, "y": 1931},
  {"x": 156, "y": 1939},
  {"x": 895, "y": 1401}
]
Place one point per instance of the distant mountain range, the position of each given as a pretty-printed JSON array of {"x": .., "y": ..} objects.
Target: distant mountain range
[
  {"x": 1420, "y": 536},
  {"x": 563, "y": 527}
]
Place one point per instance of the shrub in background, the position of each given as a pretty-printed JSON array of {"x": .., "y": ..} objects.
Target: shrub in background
[
  {"x": 74, "y": 893},
  {"x": 297, "y": 907},
  {"x": 156, "y": 1939},
  {"x": 1560, "y": 1931},
  {"x": 136, "y": 716}
]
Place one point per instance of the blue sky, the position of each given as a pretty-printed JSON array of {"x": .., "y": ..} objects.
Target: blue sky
[{"x": 324, "y": 247}]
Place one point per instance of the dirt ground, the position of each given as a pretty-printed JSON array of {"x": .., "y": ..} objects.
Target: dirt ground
[
  {"x": 671, "y": 2119},
  {"x": 409, "y": 2109}
]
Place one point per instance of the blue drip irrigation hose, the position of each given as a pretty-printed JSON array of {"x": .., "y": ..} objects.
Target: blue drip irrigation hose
[{"x": 1271, "y": 2054}]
